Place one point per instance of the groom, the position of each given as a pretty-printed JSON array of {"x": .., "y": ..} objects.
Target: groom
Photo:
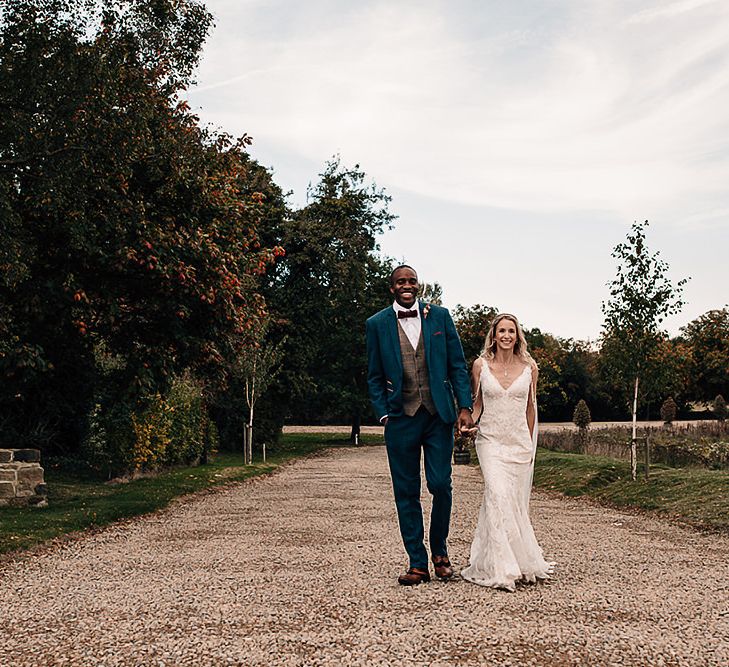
[{"x": 415, "y": 366}]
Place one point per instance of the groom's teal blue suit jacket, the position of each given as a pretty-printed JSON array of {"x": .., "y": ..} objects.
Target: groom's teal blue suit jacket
[{"x": 447, "y": 370}]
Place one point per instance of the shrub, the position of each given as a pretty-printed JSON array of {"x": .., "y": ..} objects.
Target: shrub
[
  {"x": 212, "y": 440},
  {"x": 668, "y": 410},
  {"x": 719, "y": 408},
  {"x": 95, "y": 449},
  {"x": 130, "y": 436},
  {"x": 189, "y": 422},
  {"x": 581, "y": 416},
  {"x": 582, "y": 419},
  {"x": 151, "y": 427},
  {"x": 109, "y": 441}
]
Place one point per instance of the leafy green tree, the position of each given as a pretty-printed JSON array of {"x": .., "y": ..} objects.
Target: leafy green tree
[
  {"x": 549, "y": 354},
  {"x": 580, "y": 378},
  {"x": 670, "y": 365},
  {"x": 667, "y": 371},
  {"x": 568, "y": 372},
  {"x": 641, "y": 297},
  {"x": 708, "y": 339},
  {"x": 125, "y": 225},
  {"x": 321, "y": 292},
  {"x": 472, "y": 325}
]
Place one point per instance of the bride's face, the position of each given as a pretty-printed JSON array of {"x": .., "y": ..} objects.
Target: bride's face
[{"x": 506, "y": 335}]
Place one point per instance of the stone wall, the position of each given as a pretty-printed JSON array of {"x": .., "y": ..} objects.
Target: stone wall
[{"x": 21, "y": 478}]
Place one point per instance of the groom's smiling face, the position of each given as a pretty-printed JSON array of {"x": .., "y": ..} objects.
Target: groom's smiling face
[{"x": 405, "y": 287}]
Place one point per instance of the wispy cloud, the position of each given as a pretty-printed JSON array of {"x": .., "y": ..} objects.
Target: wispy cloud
[
  {"x": 663, "y": 11},
  {"x": 594, "y": 112},
  {"x": 560, "y": 111}
]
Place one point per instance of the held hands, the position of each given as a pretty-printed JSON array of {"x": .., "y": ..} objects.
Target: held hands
[{"x": 465, "y": 425}]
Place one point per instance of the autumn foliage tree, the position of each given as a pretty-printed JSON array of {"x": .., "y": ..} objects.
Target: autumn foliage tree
[{"x": 129, "y": 233}]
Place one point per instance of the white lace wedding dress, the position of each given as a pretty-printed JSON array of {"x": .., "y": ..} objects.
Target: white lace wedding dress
[{"x": 504, "y": 548}]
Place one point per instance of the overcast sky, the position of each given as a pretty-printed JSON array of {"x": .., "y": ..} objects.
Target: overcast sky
[{"x": 519, "y": 140}]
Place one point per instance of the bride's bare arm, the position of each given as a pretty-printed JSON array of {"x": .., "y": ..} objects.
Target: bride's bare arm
[
  {"x": 531, "y": 412},
  {"x": 476, "y": 388}
]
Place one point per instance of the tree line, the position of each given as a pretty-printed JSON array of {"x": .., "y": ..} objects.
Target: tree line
[
  {"x": 690, "y": 367},
  {"x": 155, "y": 284}
]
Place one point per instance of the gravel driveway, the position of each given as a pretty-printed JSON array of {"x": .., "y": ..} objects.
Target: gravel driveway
[{"x": 299, "y": 569}]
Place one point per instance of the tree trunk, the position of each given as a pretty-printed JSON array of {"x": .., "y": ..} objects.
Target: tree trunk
[
  {"x": 647, "y": 454},
  {"x": 247, "y": 444},
  {"x": 356, "y": 427},
  {"x": 633, "y": 451},
  {"x": 250, "y": 434}
]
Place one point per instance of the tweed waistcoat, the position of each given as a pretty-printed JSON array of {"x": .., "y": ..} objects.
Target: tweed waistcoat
[{"x": 415, "y": 380}]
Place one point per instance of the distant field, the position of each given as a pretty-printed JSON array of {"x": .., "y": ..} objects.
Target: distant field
[{"x": 544, "y": 426}]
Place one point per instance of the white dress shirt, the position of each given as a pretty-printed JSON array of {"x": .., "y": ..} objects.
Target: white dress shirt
[{"x": 410, "y": 325}]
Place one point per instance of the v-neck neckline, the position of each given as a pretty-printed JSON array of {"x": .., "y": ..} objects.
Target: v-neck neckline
[{"x": 493, "y": 375}]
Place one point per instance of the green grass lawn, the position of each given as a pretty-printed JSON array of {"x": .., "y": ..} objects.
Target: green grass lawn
[
  {"x": 76, "y": 502},
  {"x": 694, "y": 495}
]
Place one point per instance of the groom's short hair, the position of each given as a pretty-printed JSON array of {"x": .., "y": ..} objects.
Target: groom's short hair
[{"x": 397, "y": 268}]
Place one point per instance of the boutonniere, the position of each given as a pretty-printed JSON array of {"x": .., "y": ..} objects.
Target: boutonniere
[{"x": 426, "y": 310}]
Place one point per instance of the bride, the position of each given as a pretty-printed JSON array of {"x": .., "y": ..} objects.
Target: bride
[{"x": 505, "y": 551}]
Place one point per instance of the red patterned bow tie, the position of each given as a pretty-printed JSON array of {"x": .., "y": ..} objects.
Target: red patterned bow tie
[{"x": 406, "y": 313}]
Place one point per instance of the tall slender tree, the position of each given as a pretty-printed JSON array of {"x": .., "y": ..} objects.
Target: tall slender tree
[{"x": 641, "y": 297}]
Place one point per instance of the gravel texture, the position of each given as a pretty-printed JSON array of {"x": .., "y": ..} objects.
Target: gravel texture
[{"x": 300, "y": 568}]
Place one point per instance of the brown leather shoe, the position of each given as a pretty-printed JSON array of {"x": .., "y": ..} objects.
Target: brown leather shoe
[
  {"x": 443, "y": 567},
  {"x": 413, "y": 577}
]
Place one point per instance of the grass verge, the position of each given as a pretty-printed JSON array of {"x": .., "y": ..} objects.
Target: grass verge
[
  {"x": 76, "y": 502},
  {"x": 697, "y": 496}
]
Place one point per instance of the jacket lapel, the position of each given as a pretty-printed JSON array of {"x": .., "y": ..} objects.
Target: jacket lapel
[
  {"x": 394, "y": 337},
  {"x": 425, "y": 332}
]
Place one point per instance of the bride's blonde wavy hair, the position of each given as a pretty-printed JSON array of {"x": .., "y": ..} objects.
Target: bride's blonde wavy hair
[{"x": 520, "y": 346}]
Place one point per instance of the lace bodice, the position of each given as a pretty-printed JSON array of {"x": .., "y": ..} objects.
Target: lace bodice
[{"x": 503, "y": 420}]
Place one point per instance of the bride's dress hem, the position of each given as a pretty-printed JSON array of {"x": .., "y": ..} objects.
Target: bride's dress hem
[{"x": 510, "y": 584}]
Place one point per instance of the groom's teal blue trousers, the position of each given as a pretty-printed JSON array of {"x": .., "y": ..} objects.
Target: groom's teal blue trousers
[{"x": 405, "y": 437}]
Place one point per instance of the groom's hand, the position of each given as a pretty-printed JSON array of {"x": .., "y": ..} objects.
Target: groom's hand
[{"x": 465, "y": 421}]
